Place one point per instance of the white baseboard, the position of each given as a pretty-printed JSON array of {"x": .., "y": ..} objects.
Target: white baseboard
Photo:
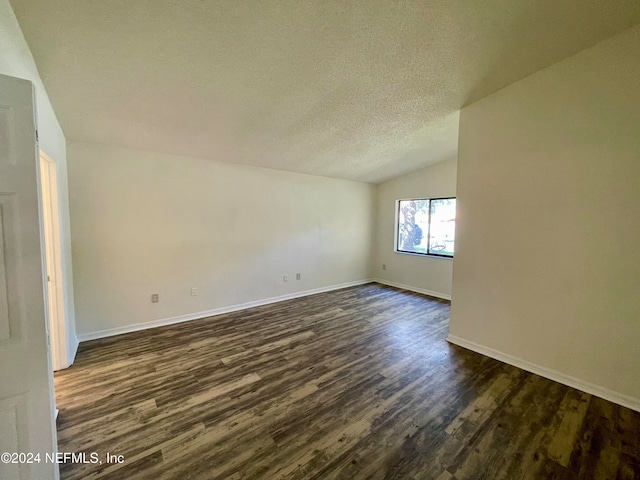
[
  {"x": 431, "y": 293},
  {"x": 598, "y": 391},
  {"x": 110, "y": 332}
]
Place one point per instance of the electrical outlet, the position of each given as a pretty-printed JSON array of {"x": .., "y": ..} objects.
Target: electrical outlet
[
  {"x": 297, "y": 276},
  {"x": 194, "y": 291},
  {"x": 384, "y": 266},
  {"x": 155, "y": 298},
  {"x": 285, "y": 278}
]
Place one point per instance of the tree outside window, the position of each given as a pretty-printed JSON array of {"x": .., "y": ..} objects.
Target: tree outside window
[{"x": 426, "y": 226}]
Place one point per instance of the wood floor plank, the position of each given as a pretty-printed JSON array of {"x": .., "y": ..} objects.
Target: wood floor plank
[
  {"x": 570, "y": 417},
  {"x": 356, "y": 383}
]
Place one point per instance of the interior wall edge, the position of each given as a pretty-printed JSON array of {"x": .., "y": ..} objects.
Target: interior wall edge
[
  {"x": 587, "y": 387},
  {"x": 72, "y": 350}
]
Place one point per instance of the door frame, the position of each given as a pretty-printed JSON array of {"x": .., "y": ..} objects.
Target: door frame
[{"x": 53, "y": 260}]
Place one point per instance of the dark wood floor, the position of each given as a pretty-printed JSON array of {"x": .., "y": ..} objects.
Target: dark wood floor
[{"x": 357, "y": 383}]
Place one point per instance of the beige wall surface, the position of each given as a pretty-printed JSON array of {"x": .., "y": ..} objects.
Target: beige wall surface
[
  {"x": 547, "y": 265},
  {"x": 427, "y": 274},
  {"x": 16, "y": 61},
  {"x": 147, "y": 223}
]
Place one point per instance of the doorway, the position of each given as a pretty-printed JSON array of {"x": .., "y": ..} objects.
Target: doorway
[{"x": 53, "y": 260}]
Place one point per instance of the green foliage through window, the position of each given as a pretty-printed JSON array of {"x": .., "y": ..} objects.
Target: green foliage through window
[{"x": 427, "y": 226}]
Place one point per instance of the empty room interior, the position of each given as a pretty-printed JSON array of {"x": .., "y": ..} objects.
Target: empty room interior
[{"x": 306, "y": 239}]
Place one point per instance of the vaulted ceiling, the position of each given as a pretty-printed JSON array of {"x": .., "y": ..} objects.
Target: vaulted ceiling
[{"x": 362, "y": 90}]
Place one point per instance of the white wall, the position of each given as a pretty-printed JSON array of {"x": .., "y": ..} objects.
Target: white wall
[
  {"x": 429, "y": 275},
  {"x": 547, "y": 269},
  {"x": 148, "y": 223},
  {"x": 16, "y": 61}
]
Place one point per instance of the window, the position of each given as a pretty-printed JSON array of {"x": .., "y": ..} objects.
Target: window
[{"x": 426, "y": 226}]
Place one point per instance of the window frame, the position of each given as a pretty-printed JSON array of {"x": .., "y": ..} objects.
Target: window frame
[{"x": 396, "y": 243}]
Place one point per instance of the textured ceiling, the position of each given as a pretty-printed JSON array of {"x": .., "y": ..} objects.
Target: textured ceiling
[{"x": 362, "y": 90}]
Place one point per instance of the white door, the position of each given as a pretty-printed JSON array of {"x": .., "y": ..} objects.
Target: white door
[{"x": 27, "y": 424}]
